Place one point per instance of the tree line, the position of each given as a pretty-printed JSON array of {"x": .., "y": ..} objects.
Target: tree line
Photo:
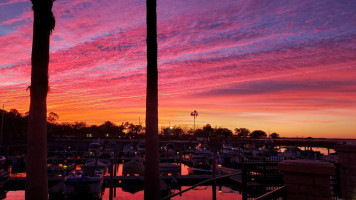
[{"x": 15, "y": 130}]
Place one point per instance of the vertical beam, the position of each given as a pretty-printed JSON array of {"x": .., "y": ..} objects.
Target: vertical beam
[{"x": 152, "y": 178}]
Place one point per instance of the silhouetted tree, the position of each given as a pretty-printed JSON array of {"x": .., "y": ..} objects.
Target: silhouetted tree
[
  {"x": 15, "y": 127},
  {"x": 274, "y": 135},
  {"x": 258, "y": 134},
  {"x": 208, "y": 130},
  {"x": 111, "y": 129},
  {"x": 175, "y": 131},
  {"x": 79, "y": 129},
  {"x": 152, "y": 176},
  {"x": 190, "y": 132},
  {"x": 52, "y": 117},
  {"x": 36, "y": 176},
  {"x": 135, "y": 129},
  {"x": 199, "y": 133},
  {"x": 224, "y": 132},
  {"x": 242, "y": 132}
]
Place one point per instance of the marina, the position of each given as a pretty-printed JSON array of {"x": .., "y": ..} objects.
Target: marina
[{"x": 119, "y": 165}]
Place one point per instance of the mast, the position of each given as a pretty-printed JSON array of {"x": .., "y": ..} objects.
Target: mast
[{"x": 2, "y": 124}]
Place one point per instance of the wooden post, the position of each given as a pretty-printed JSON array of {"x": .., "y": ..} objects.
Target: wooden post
[
  {"x": 111, "y": 179},
  {"x": 152, "y": 176},
  {"x": 214, "y": 172},
  {"x": 116, "y": 167}
]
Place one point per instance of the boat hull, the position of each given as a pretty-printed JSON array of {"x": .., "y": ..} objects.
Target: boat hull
[{"x": 192, "y": 170}]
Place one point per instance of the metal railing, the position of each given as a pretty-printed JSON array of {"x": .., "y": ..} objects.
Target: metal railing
[
  {"x": 280, "y": 193},
  {"x": 199, "y": 184}
]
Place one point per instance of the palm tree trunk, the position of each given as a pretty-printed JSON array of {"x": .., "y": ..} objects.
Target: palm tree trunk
[
  {"x": 36, "y": 174},
  {"x": 152, "y": 178}
]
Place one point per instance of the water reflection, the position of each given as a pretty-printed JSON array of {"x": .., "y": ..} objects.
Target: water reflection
[
  {"x": 201, "y": 192},
  {"x": 184, "y": 171},
  {"x": 136, "y": 193},
  {"x": 205, "y": 192}
]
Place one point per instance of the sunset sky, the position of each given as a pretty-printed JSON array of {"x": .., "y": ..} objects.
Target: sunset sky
[{"x": 280, "y": 66}]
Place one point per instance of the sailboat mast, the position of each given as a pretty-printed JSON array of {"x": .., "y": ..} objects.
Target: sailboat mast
[{"x": 2, "y": 124}]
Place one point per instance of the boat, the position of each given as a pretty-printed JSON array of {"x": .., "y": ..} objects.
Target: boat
[
  {"x": 4, "y": 178},
  {"x": 94, "y": 164},
  {"x": 83, "y": 185},
  {"x": 2, "y": 161},
  {"x": 94, "y": 149},
  {"x": 129, "y": 151},
  {"x": 141, "y": 148},
  {"x": 201, "y": 163},
  {"x": 133, "y": 167},
  {"x": 109, "y": 151},
  {"x": 59, "y": 169}
]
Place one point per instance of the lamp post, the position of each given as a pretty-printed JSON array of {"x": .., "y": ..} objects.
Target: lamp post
[{"x": 195, "y": 115}]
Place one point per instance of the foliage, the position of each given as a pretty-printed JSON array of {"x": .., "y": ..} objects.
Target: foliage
[
  {"x": 15, "y": 129},
  {"x": 242, "y": 132},
  {"x": 173, "y": 131},
  {"x": 224, "y": 132},
  {"x": 257, "y": 134},
  {"x": 52, "y": 117},
  {"x": 274, "y": 135},
  {"x": 208, "y": 130}
]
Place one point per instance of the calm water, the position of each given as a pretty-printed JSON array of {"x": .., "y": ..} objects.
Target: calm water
[
  {"x": 320, "y": 149},
  {"x": 202, "y": 192},
  {"x": 184, "y": 171}
]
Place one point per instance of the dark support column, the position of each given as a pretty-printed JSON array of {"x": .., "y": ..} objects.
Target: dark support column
[
  {"x": 347, "y": 159},
  {"x": 307, "y": 179}
]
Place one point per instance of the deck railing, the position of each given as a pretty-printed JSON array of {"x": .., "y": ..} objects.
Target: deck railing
[
  {"x": 199, "y": 184},
  {"x": 279, "y": 193}
]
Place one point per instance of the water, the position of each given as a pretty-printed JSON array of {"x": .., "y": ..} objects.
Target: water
[
  {"x": 205, "y": 192},
  {"x": 184, "y": 171},
  {"x": 320, "y": 149},
  {"x": 201, "y": 192}
]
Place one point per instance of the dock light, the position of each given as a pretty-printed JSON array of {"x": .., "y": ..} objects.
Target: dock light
[
  {"x": 190, "y": 147},
  {"x": 177, "y": 152},
  {"x": 135, "y": 152},
  {"x": 220, "y": 191},
  {"x": 219, "y": 165},
  {"x": 65, "y": 166}
]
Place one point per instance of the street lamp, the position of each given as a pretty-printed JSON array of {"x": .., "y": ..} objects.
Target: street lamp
[{"x": 195, "y": 115}]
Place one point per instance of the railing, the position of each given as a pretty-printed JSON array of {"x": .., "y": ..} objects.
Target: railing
[
  {"x": 198, "y": 184},
  {"x": 280, "y": 193},
  {"x": 260, "y": 177}
]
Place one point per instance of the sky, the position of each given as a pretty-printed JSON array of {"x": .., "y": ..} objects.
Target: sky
[{"x": 285, "y": 66}]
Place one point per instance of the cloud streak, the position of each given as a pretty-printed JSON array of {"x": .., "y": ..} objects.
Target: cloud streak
[{"x": 265, "y": 64}]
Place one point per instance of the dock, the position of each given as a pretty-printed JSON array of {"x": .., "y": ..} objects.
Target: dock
[{"x": 237, "y": 179}]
